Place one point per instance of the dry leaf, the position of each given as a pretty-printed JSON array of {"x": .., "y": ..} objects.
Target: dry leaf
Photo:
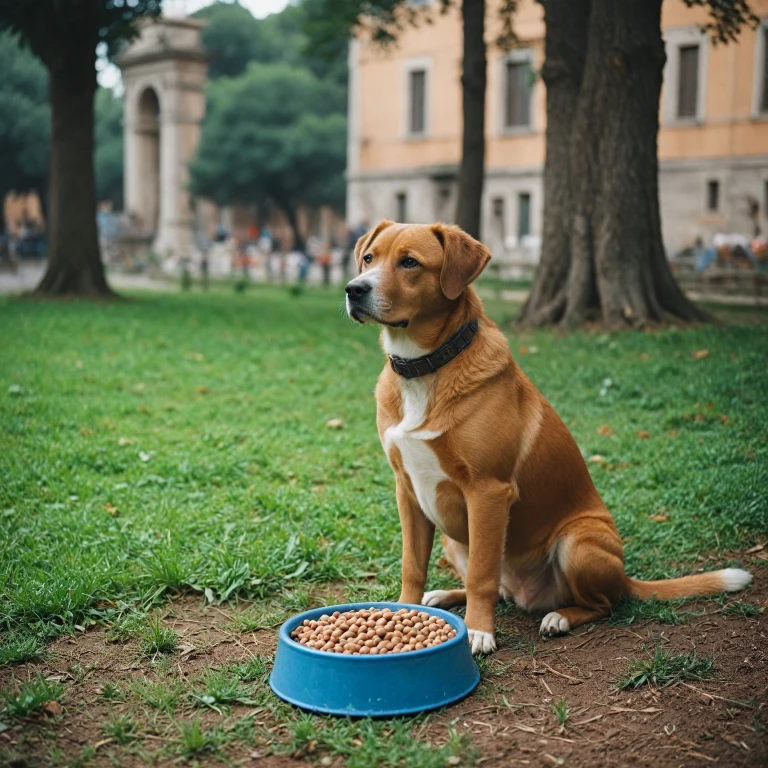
[
  {"x": 52, "y": 708},
  {"x": 724, "y": 419},
  {"x": 644, "y": 357},
  {"x": 111, "y": 509},
  {"x": 756, "y": 548},
  {"x": 597, "y": 459},
  {"x": 86, "y": 432},
  {"x": 523, "y": 350},
  {"x": 334, "y": 424},
  {"x": 604, "y": 431},
  {"x": 672, "y": 432},
  {"x": 644, "y": 434},
  {"x": 700, "y": 354},
  {"x": 201, "y": 390},
  {"x": 699, "y": 417},
  {"x": 143, "y": 409},
  {"x": 659, "y": 518}
]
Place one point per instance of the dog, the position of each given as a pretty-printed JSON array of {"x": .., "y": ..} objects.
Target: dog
[{"x": 479, "y": 453}]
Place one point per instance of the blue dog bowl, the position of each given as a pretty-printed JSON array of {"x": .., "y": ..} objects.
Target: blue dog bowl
[{"x": 373, "y": 686}]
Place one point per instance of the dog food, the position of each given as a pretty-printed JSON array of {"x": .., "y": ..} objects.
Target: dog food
[{"x": 373, "y": 632}]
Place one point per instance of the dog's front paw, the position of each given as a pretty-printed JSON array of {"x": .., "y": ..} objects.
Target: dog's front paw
[
  {"x": 554, "y": 624},
  {"x": 435, "y": 598},
  {"x": 481, "y": 642}
]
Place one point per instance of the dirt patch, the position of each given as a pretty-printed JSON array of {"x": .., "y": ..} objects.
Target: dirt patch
[{"x": 722, "y": 719}]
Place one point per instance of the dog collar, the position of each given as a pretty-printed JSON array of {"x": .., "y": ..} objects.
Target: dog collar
[{"x": 421, "y": 366}]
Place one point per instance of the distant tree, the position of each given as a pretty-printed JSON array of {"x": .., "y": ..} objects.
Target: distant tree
[
  {"x": 234, "y": 38},
  {"x": 108, "y": 159},
  {"x": 275, "y": 135},
  {"x": 64, "y": 34},
  {"x": 603, "y": 257},
  {"x": 25, "y": 126}
]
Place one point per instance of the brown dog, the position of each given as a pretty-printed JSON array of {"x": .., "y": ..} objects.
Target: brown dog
[{"x": 478, "y": 452}]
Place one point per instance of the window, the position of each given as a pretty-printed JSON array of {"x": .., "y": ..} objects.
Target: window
[
  {"x": 517, "y": 95},
  {"x": 417, "y": 80},
  {"x": 765, "y": 198},
  {"x": 688, "y": 81},
  {"x": 523, "y": 215},
  {"x": 402, "y": 204},
  {"x": 713, "y": 195},
  {"x": 764, "y": 71}
]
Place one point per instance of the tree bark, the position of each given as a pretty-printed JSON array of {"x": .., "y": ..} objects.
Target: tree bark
[
  {"x": 299, "y": 243},
  {"x": 565, "y": 48},
  {"x": 74, "y": 260},
  {"x": 602, "y": 253},
  {"x": 473, "y": 80}
]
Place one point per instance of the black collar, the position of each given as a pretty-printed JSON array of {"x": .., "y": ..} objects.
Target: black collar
[{"x": 421, "y": 366}]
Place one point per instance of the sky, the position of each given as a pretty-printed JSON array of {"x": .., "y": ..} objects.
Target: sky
[{"x": 109, "y": 74}]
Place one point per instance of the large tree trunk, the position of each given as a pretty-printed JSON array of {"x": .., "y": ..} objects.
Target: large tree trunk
[
  {"x": 473, "y": 77},
  {"x": 565, "y": 50},
  {"x": 605, "y": 260},
  {"x": 74, "y": 261}
]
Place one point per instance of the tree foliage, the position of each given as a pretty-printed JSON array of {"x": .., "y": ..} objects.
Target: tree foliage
[
  {"x": 25, "y": 127},
  {"x": 108, "y": 156},
  {"x": 276, "y": 134}
]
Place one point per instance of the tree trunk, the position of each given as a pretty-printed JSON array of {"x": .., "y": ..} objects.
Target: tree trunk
[
  {"x": 565, "y": 50},
  {"x": 74, "y": 261},
  {"x": 473, "y": 78},
  {"x": 293, "y": 221},
  {"x": 605, "y": 259}
]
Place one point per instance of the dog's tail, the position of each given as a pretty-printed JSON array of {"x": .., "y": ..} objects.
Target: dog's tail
[{"x": 727, "y": 580}]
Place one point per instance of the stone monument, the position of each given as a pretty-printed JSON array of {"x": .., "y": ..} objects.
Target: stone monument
[{"x": 164, "y": 74}]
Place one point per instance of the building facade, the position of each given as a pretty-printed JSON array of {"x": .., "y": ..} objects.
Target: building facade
[{"x": 405, "y": 128}]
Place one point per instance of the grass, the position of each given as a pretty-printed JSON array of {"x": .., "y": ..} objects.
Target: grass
[
  {"x": 220, "y": 689},
  {"x": 182, "y": 446},
  {"x": 30, "y": 697},
  {"x": 629, "y": 611},
  {"x": 163, "y": 695},
  {"x": 178, "y": 443},
  {"x": 741, "y": 608},
  {"x": 157, "y": 638},
  {"x": 194, "y": 741},
  {"x": 375, "y": 744},
  {"x": 561, "y": 711},
  {"x": 664, "y": 668},
  {"x": 121, "y": 728}
]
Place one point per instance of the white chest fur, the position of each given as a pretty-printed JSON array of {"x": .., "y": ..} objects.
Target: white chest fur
[{"x": 420, "y": 462}]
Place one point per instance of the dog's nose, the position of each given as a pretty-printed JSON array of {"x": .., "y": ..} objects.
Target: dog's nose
[{"x": 357, "y": 290}]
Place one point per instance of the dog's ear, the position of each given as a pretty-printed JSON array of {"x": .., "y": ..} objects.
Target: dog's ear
[
  {"x": 464, "y": 258},
  {"x": 367, "y": 239}
]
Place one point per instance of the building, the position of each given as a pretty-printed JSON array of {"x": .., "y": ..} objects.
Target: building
[{"x": 405, "y": 128}]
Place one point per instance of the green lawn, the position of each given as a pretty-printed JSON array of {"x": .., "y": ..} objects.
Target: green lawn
[{"x": 179, "y": 442}]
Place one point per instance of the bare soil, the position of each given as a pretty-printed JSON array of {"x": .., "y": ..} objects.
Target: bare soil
[{"x": 721, "y": 720}]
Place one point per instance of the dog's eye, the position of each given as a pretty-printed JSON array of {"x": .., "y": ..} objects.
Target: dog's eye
[
  {"x": 409, "y": 263},
  {"x": 368, "y": 258}
]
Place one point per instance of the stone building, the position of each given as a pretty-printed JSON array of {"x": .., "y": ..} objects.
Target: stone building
[{"x": 405, "y": 128}]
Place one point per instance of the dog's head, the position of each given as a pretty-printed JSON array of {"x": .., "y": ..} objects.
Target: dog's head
[{"x": 411, "y": 271}]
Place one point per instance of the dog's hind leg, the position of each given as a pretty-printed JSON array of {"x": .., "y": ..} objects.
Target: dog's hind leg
[
  {"x": 591, "y": 561},
  {"x": 457, "y": 555}
]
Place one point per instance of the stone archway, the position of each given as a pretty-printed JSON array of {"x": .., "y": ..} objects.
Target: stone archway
[
  {"x": 148, "y": 146},
  {"x": 164, "y": 74}
]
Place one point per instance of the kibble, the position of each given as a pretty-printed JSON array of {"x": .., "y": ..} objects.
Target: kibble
[{"x": 373, "y": 632}]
